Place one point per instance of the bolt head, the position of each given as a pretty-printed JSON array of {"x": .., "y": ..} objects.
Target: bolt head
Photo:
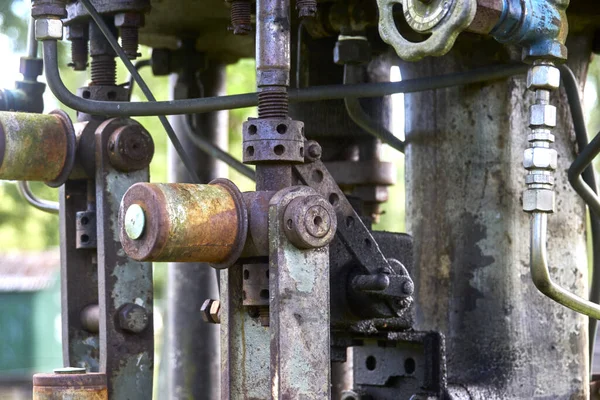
[
  {"x": 314, "y": 151},
  {"x": 133, "y": 318},
  {"x": 352, "y": 51},
  {"x": 540, "y": 158},
  {"x": 129, "y": 20},
  {"x": 538, "y": 200},
  {"x": 48, "y": 29},
  {"x": 545, "y": 77},
  {"x": 131, "y": 148},
  {"x": 542, "y": 115},
  {"x": 317, "y": 221},
  {"x": 77, "y": 31},
  {"x": 210, "y": 311},
  {"x": 135, "y": 221}
]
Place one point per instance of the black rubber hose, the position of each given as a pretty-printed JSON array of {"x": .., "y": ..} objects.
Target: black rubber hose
[
  {"x": 209, "y": 104},
  {"x": 582, "y": 166}
]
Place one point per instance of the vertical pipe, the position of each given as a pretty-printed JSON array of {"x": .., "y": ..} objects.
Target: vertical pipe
[
  {"x": 464, "y": 188},
  {"x": 192, "y": 354}
]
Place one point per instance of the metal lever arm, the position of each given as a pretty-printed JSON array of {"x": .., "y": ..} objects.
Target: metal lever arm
[{"x": 444, "y": 20}]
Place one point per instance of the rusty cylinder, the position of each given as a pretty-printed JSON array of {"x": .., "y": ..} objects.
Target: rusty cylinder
[
  {"x": 36, "y": 147},
  {"x": 179, "y": 222},
  {"x": 70, "y": 386}
]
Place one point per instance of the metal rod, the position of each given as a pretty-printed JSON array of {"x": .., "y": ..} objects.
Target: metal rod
[
  {"x": 142, "y": 84},
  {"x": 358, "y": 115},
  {"x": 32, "y": 44},
  {"x": 589, "y": 176},
  {"x": 41, "y": 204},
  {"x": 540, "y": 271},
  {"x": 209, "y": 104}
]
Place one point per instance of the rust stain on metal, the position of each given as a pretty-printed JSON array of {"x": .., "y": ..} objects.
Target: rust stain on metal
[
  {"x": 487, "y": 16},
  {"x": 183, "y": 223},
  {"x": 91, "y": 386},
  {"x": 34, "y": 146}
]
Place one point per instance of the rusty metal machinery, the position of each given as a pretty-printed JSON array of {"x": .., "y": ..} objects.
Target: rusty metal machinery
[{"x": 310, "y": 301}]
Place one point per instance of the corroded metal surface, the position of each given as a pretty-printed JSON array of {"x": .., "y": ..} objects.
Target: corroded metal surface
[
  {"x": 33, "y": 146},
  {"x": 186, "y": 223},
  {"x": 299, "y": 309},
  {"x": 244, "y": 344},
  {"x": 127, "y": 357},
  {"x": 84, "y": 386},
  {"x": 464, "y": 185}
]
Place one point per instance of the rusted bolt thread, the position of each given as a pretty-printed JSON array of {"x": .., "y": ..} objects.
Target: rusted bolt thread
[
  {"x": 273, "y": 103},
  {"x": 306, "y": 8},
  {"x": 79, "y": 54},
  {"x": 130, "y": 41},
  {"x": 104, "y": 70},
  {"x": 241, "y": 23},
  {"x": 263, "y": 315}
]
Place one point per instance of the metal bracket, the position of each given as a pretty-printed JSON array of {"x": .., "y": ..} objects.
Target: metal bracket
[{"x": 299, "y": 309}]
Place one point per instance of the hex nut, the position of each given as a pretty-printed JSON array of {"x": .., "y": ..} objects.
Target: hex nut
[
  {"x": 542, "y": 115},
  {"x": 351, "y": 51},
  {"x": 543, "y": 77},
  {"x": 129, "y": 20},
  {"x": 77, "y": 31},
  {"x": 540, "y": 158},
  {"x": 48, "y": 29},
  {"x": 538, "y": 200},
  {"x": 210, "y": 311},
  {"x": 133, "y": 318}
]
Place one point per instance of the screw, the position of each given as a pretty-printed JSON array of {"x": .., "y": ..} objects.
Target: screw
[
  {"x": 129, "y": 24},
  {"x": 241, "y": 23},
  {"x": 306, "y": 8},
  {"x": 133, "y": 318},
  {"x": 69, "y": 370},
  {"x": 211, "y": 311},
  {"x": 314, "y": 151},
  {"x": 104, "y": 70},
  {"x": 130, "y": 148},
  {"x": 135, "y": 221}
]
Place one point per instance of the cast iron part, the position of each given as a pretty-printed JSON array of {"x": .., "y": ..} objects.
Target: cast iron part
[
  {"x": 273, "y": 141},
  {"x": 309, "y": 222},
  {"x": 241, "y": 17},
  {"x": 130, "y": 148},
  {"x": 133, "y": 318},
  {"x": 86, "y": 230},
  {"x": 70, "y": 383}
]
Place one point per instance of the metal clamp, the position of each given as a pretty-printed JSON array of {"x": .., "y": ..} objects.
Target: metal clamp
[{"x": 443, "y": 19}]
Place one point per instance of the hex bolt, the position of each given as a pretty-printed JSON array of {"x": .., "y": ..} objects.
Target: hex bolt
[
  {"x": 211, "y": 311},
  {"x": 314, "y": 150},
  {"x": 133, "y": 318},
  {"x": 135, "y": 221},
  {"x": 130, "y": 148},
  {"x": 129, "y": 24},
  {"x": 241, "y": 17},
  {"x": 306, "y": 8},
  {"x": 77, "y": 34}
]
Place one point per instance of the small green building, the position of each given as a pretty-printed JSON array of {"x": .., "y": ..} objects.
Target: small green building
[{"x": 30, "y": 325}]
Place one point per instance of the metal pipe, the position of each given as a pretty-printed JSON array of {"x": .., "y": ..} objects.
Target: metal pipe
[
  {"x": 315, "y": 93},
  {"x": 140, "y": 81},
  {"x": 41, "y": 204},
  {"x": 362, "y": 119},
  {"x": 540, "y": 272}
]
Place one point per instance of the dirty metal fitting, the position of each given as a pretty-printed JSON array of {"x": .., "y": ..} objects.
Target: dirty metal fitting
[
  {"x": 129, "y": 24},
  {"x": 487, "y": 16},
  {"x": 133, "y": 318},
  {"x": 310, "y": 222},
  {"x": 49, "y": 9},
  {"x": 90, "y": 318},
  {"x": 103, "y": 65},
  {"x": 36, "y": 147},
  {"x": 273, "y": 57},
  {"x": 184, "y": 222},
  {"x": 539, "y": 159},
  {"x": 211, "y": 311},
  {"x": 306, "y": 8},
  {"x": 241, "y": 17},
  {"x": 130, "y": 148},
  {"x": 70, "y": 383},
  {"x": 78, "y": 35},
  {"x": 273, "y": 141},
  {"x": 540, "y": 26},
  {"x": 255, "y": 290}
]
